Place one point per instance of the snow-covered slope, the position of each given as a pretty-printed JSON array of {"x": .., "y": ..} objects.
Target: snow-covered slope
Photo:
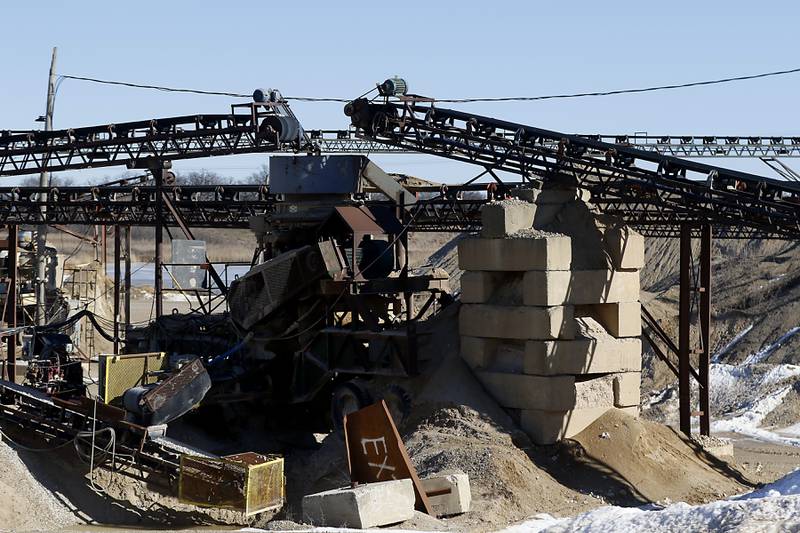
[{"x": 775, "y": 507}]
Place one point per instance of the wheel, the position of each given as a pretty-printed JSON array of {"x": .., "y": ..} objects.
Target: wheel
[
  {"x": 398, "y": 400},
  {"x": 347, "y": 397}
]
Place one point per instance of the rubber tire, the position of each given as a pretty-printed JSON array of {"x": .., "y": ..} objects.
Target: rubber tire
[
  {"x": 346, "y": 398},
  {"x": 399, "y": 402}
]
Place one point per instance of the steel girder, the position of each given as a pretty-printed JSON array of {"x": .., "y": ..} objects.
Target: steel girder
[
  {"x": 200, "y": 206},
  {"x": 139, "y": 144},
  {"x": 656, "y": 195},
  {"x": 133, "y": 144},
  {"x": 204, "y": 206}
]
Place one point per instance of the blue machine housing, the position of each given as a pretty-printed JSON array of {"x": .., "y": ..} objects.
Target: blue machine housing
[{"x": 316, "y": 174}]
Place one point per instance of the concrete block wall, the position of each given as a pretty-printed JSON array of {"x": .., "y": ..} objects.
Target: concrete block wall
[{"x": 554, "y": 342}]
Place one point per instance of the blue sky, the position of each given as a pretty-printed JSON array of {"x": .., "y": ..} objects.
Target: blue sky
[{"x": 444, "y": 49}]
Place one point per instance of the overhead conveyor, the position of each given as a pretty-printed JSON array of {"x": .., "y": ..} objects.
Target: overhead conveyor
[{"x": 651, "y": 191}]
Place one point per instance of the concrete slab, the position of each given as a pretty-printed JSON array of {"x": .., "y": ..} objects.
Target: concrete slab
[
  {"x": 623, "y": 319},
  {"x": 626, "y": 247},
  {"x": 580, "y": 287},
  {"x": 364, "y": 506},
  {"x": 582, "y": 356},
  {"x": 454, "y": 495},
  {"x": 476, "y": 351},
  {"x": 517, "y": 322},
  {"x": 627, "y": 389},
  {"x": 562, "y": 196},
  {"x": 523, "y": 254},
  {"x": 549, "y": 427},
  {"x": 478, "y": 287},
  {"x": 519, "y": 391},
  {"x": 504, "y": 218},
  {"x": 594, "y": 391},
  {"x": 500, "y": 355}
]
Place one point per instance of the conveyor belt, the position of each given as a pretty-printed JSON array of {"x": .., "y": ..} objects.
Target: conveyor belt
[{"x": 654, "y": 192}]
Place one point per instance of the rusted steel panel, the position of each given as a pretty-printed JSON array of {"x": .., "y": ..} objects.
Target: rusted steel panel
[
  {"x": 375, "y": 451},
  {"x": 248, "y": 482}
]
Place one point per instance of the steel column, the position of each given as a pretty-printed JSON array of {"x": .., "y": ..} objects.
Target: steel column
[
  {"x": 127, "y": 279},
  {"x": 11, "y": 302},
  {"x": 159, "y": 219},
  {"x": 408, "y": 296},
  {"x": 684, "y": 326},
  {"x": 117, "y": 247},
  {"x": 705, "y": 328}
]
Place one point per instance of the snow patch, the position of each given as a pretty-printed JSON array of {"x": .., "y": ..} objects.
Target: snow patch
[
  {"x": 766, "y": 351},
  {"x": 733, "y": 342}
]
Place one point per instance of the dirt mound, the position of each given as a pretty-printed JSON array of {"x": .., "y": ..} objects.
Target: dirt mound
[
  {"x": 55, "y": 489},
  {"x": 27, "y": 505},
  {"x": 654, "y": 462},
  {"x": 507, "y": 485}
]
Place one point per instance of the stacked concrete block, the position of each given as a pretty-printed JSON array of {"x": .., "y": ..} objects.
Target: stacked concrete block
[{"x": 554, "y": 344}]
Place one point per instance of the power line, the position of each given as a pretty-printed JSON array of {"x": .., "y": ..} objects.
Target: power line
[
  {"x": 621, "y": 91},
  {"x": 458, "y": 100},
  {"x": 155, "y": 87},
  {"x": 195, "y": 91}
]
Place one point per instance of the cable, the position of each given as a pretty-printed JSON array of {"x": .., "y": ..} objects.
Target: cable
[
  {"x": 156, "y": 87},
  {"x": 457, "y": 100},
  {"x": 622, "y": 91},
  {"x": 35, "y": 450},
  {"x": 197, "y": 91}
]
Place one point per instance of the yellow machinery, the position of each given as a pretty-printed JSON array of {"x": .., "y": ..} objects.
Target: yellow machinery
[
  {"x": 118, "y": 373},
  {"x": 246, "y": 482}
]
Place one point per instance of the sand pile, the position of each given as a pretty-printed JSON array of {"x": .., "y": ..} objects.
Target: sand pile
[
  {"x": 507, "y": 485},
  {"x": 652, "y": 462},
  {"x": 52, "y": 489},
  {"x": 27, "y": 505}
]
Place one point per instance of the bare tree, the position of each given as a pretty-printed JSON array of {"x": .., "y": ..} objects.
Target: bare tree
[
  {"x": 259, "y": 177},
  {"x": 55, "y": 181}
]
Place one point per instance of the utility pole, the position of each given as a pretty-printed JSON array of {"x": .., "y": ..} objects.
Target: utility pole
[{"x": 41, "y": 229}]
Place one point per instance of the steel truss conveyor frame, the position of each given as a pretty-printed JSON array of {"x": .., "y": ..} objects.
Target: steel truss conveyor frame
[
  {"x": 198, "y": 206},
  {"x": 199, "y": 136},
  {"x": 653, "y": 192},
  {"x": 136, "y": 144}
]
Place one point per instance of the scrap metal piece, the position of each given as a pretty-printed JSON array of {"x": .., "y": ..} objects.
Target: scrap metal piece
[
  {"x": 375, "y": 451},
  {"x": 265, "y": 287},
  {"x": 247, "y": 482},
  {"x": 171, "y": 398}
]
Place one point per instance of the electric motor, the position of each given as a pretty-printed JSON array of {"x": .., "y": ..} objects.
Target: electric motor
[{"x": 393, "y": 87}]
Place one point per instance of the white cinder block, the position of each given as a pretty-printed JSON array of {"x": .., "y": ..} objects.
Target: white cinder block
[
  {"x": 501, "y": 219},
  {"x": 456, "y": 501},
  {"x": 517, "y": 322},
  {"x": 515, "y": 254},
  {"x": 364, "y": 506}
]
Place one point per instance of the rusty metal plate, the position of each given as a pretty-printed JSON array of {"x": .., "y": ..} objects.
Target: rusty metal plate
[{"x": 375, "y": 451}]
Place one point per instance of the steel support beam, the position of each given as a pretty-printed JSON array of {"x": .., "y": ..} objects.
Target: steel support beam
[
  {"x": 11, "y": 303},
  {"x": 705, "y": 328},
  {"x": 684, "y": 334},
  {"x": 117, "y": 253},
  {"x": 158, "y": 283},
  {"x": 695, "y": 288},
  {"x": 127, "y": 279}
]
